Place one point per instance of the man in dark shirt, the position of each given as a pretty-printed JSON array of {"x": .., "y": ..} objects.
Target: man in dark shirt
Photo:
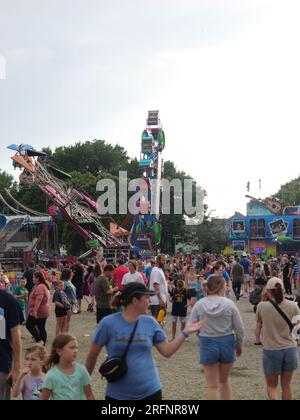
[
  {"x": 287, "y": 271},
  {"x": 237, "y": 275},
  {"x": 77, "y": 280},
  {"x": 10, "y": 344},
  {"x": 104, "y": 293},
  {"x": 29, "y": 276}
]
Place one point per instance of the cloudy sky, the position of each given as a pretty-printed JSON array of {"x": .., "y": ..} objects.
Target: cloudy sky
[{"x": 225, "y": 75}]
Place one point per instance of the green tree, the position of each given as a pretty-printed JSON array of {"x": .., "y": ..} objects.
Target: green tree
[
  {"x": 6, "y": 182},
  {"x": 73, "y": 242},
  {"x": 289, "y": 193},
  {"x": 32, "y": 197},
  {"x": 174, "y": 224},
  {"x": 86, "y": 181},
  {"x": 212, "y": 235},
  {"x": 92, "y": 156}
]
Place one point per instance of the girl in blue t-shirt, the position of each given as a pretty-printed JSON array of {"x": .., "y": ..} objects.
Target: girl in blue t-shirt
[
  {"x": 141, "y": 382},
  {"x": 67, "y": 379}
]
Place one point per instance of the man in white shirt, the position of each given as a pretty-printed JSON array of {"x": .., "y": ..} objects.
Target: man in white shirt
[
  {"x": 158, "y": 276},
  {"x": 133, "y": 275}
]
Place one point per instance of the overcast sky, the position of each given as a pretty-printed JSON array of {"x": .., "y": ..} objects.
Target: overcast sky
[{"x": 225, "y": 75}]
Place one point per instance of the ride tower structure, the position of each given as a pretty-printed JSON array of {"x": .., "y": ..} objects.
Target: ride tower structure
[{"x": 146, "y": 228}]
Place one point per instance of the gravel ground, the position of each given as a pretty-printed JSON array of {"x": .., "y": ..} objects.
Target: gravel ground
[{"x": 181, "y": 376}]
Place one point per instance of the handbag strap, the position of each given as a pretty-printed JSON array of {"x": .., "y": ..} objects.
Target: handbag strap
[
  {"x": 130, "y": 340},
  {"x": 284, "y": 316}
]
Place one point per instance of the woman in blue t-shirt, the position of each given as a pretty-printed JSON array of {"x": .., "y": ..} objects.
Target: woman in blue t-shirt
[{"x": 141, "y": 382}]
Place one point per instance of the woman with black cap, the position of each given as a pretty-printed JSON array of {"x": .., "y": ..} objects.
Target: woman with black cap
[{"x": 141, "y": 382}]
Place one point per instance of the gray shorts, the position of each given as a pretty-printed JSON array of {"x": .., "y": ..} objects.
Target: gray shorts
[
  {"x": 4, "y": 387},
  {"x": 181, "y": 318}
]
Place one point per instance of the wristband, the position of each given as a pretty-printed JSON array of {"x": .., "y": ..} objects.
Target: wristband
[{"x": 185, "y": 334}]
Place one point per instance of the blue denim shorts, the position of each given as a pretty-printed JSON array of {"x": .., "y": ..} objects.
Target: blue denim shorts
[
  {"x": 276, "y": 362},
  {"x": 214, "y": 350}
]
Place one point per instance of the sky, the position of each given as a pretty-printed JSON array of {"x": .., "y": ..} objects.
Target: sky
[{"x": 223, "y": 73}]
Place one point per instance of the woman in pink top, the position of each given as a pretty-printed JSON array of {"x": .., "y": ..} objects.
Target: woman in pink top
[{"x": 39, "y": 308}]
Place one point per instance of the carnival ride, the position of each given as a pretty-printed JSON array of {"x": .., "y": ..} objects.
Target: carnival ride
[
  {"x": 80, "y": 210},
  {"x": 76, "y": 206},
  {"x": 146, "y": 227}
]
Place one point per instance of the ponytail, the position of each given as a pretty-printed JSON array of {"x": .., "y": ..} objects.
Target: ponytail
[
  {"x": 116, "y": 300},
  {"x": 41, "y": 279},
  {"x": 120, "y": 300},
  {"x": 278, "y": 293},
  {"x": 59, "y": 343}
]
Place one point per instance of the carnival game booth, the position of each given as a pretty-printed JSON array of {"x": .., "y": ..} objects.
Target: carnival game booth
[{"x": 268, "y": 229}]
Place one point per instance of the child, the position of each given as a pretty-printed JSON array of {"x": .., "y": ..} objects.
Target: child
[
  {"x": 21, "y": 294},
  {"x": 179, "y": 307},
  {"x": 67, "y": 380},
  {"x": 4, "y": 282},
  {"x": 200, "y": 288},
  {"x": 30, "y": 382},
  {"x": 62, "y": 306},
  {"x": 54, "y": 279}
]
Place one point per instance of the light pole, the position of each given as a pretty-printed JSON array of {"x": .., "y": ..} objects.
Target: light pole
[{"x": 175, "y": 237}]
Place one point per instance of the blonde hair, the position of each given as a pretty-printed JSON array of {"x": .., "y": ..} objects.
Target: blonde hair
[
  {"x": 42, "y": 352},
  {"x": 134, "y": 263}
]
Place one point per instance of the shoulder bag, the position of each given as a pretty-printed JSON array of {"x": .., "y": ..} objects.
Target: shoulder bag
[{"x": 114, "y": 368}]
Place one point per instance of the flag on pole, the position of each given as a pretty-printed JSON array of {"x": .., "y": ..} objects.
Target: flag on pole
[{"x": 260, "y": 188}]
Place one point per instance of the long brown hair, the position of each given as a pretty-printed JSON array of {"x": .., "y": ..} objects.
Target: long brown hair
[
  {"x": 59, "y": 343},
  {"x": 277, "y": 293},
  {"x": 41, "y": 279}
]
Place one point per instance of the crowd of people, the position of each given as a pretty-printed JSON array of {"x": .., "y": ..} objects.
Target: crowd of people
[{"x": 133, "y": 297}]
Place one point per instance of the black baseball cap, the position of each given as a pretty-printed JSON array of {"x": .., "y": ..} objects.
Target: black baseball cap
[{"x": 135, "y": 288}]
